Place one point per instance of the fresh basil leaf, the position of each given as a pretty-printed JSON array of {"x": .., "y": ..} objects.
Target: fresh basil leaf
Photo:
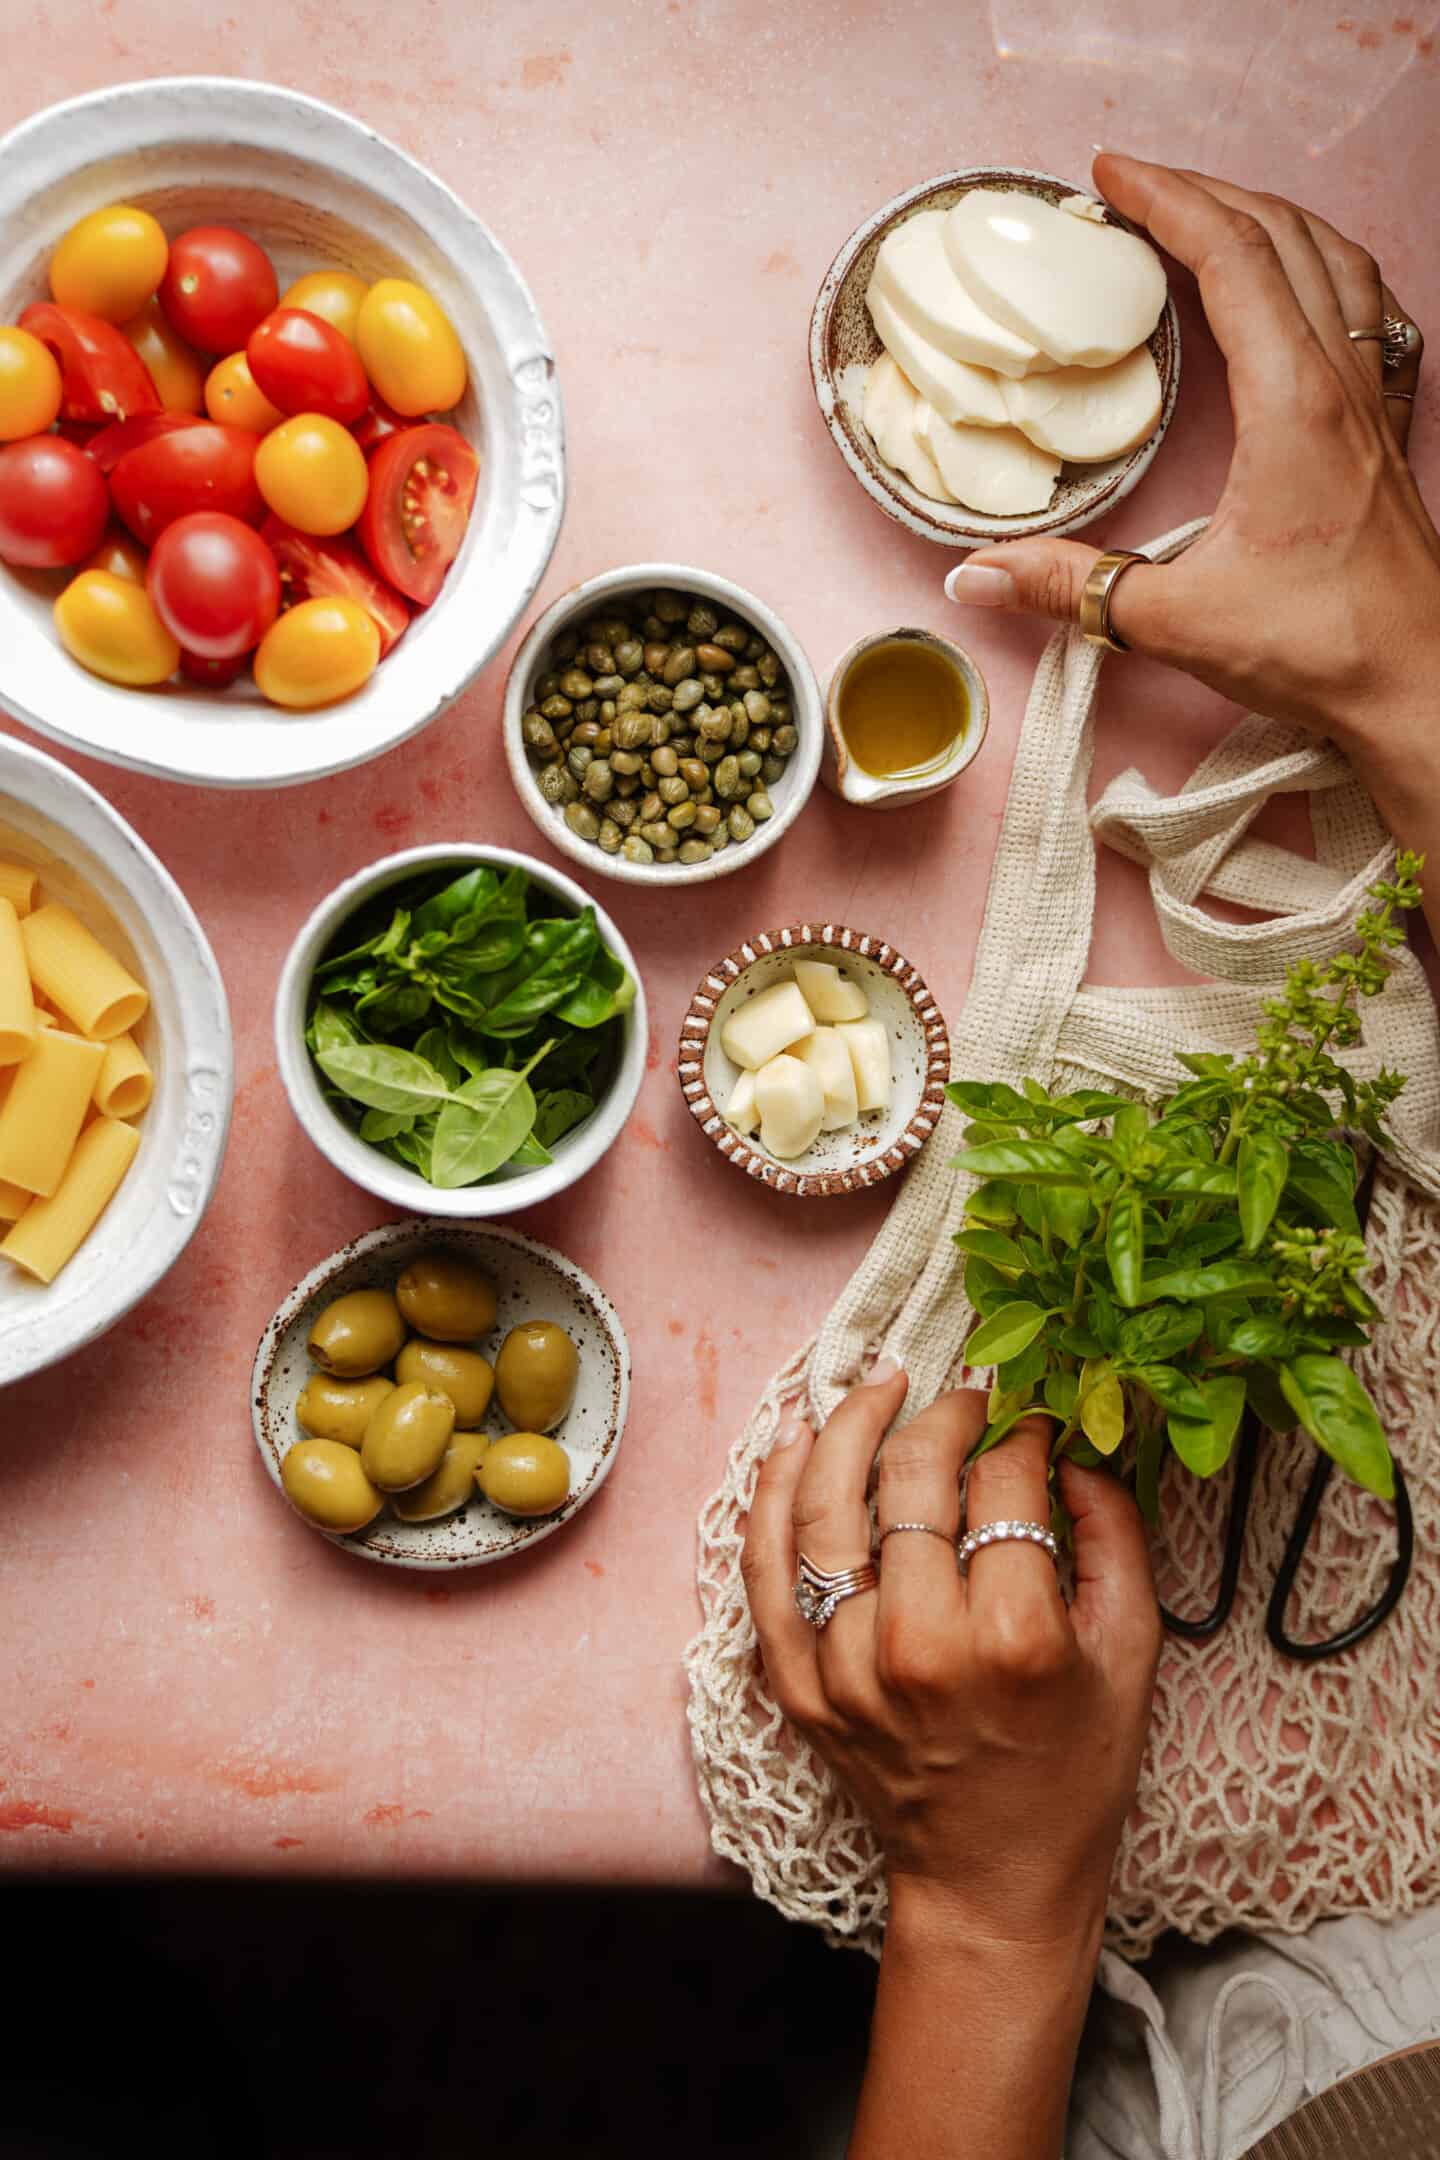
[
  {"x": 997, "y": 1429},
  {"x": 1065, "y": 1209},
  {"x": 1331, "y": 1335},
  {"x": 1206, "y": 1241},
  {"x": 532, "y": 1154},
  {"x": 384, "y": 1079},
  {"x": 377, "y": 1125},
  {"x": 1087, "y": 1103},
  {"x": 1079, "y": 1341},
  {"x": 435, "y": 1045},
  {"x": 1023, "y": 1162},
  {"x": 608, "y": 990},
  {"x": 1204, "y": 1444},
  {"x": 987, "y": 1096},
  {"x": 1062, "y": 1390},
  {"x": 481, "y": 1129},
  {"x": 1103, "y": 1317},
  {"x": 1101, "y": 1403},
  {"x": 331, "y": 1028},
  {"x": 1173, "y": 1390},
  {"x": 551, "y": 968},
  {"x": 1213, "y": 1180},
  {"x": 1005, "y": 1333},
  {"x": 1192, "y": 1286},
  {"x": 1023, "y": 1370},
  {"x": 1125, "y": 1245},
  {"x": 992, "y": 1203},
  {"x": 1322, "y": 1187},
  {"x": 1267, "y": 1399},
  {"x": 1261, "y": 1168},
  {"x": 1160, "y": 1331},
  {"x": 414, "y": 1147},
  {"x": 468, "y": 895},
  {"x": 558, "y": 1111},
  {"x": 991, "y": 1245},
  {"x": 986, "y": 1288},
  {"x": 1206, "y": 1064},
  {"x": 393, "y": 1007},
  {"x": 1334, "y": 1409},
  {"x": 1263, "y": 1336}
]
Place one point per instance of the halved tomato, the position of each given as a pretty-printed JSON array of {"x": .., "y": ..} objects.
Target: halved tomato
[
  {"x": 109, "y": 444},
  {"x": 200, "y": 467},
  {"x": 312, "y": 568},
  {"x": 102, "y": 377},
  {"x": 422, "y": 483},
  {"x": 376, "y": 423}
]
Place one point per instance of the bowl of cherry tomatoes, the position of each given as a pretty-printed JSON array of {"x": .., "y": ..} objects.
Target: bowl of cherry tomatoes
[{"x": 281, "y": 451}]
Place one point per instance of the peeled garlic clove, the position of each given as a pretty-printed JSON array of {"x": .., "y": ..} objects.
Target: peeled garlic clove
[
  {"x": 869, "y": 1050},
  {"x": 829, "y": 1060},
  {"x": 740, "y": 1111},
  {"x": 765, "y": 1025},
  {"x": 957, "y": 390},
  {"x": 890, "y": 411},
  {"x": 913, "y": 274},
  {"x": 1089, "y": 414},
  {"x": 791, "y": 1105},
  {"x": 997, "y": 470},
  {"x": 1086, "y": 294},
  {"x": 830, "y": 995}
]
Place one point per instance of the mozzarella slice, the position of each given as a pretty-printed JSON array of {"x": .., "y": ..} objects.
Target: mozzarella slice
[
  {"x": 868, "y": 1048},
  {"x": 992, "y": 469},
  {"x": 1087, "y": 294},
  {"x": 957, "y": 391},
  {"x": 791, "y": 1104},
  {"x": 829, "y": 1060},
  {"x": 765, "y": 1025},
  {"x": 1088, "y": 414},
  {"x": 913, "y": 274},
  {"x": 740, "y": 1111},
  {"x": 889, "y": 412},
  {"x": 830, "y": 995}
]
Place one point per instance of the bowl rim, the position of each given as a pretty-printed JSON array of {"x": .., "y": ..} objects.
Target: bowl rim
[
  {"x": 41, "y": 782},
  {"x": 733, "y": 1146},
  {"x": 809, "y": 719},
  {"x": 364, "y": 1165},
  {"x": 529, "y": 1531},
  {"x": 984, "y": 528},
  {"x": 253, "y": 113}
]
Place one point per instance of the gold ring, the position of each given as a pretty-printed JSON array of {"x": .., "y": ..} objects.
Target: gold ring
[
  {"x": 1398, "y": 338},
  {"x": 1098, "y": 591}
]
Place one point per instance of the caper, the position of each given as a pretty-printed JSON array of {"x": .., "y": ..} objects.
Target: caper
[
  {"x": 694, "y": 772},
  {"x": 325, "y": 1482},
  {"x": 669, "y": 607},
  {"x": 688, "y": 695},
  {"x": 609, "y": 836},
  {"x": 575, "y": 683},
  {"x": 357, "y": 1334},
  {"x": 760, "y": 806},
  {"x": 661, "y": 699},
  {"x": 588, "y": 709},
  {"x": 626, "y": 763},
  {"x": 578, "y": 759},
  {"x": 537, "y": 734},
  {"x": 760, "y": 738},
  {"x": 567, "y": 645},
  {"x": 627, "y": 784},
  {"x": 657, "y": 834},
  {"x": 650, "y": 806},
  {"x": 714, "y": 659},
  {"x": 604, "y": 743},
  {"x": 557, "y": 708},
  {"x": 702, "y": 620},
  {"x": 582, "y": 821},
  {"x": 599, "y": 781},
  {"x": 767, "y": 667},
  {"x": 726, "y": 778},
  {"x": 715, "y": 724},
  {"x": 674, "y": 790},
  {"x": 665, "y": 762},
  {"x": 637, "y": 850},
  {"x": 681, "y": 817},
  {"x": 731, "y": 638},
  {"x": 629, "y": 656},
  {"x": 632, "y": 698},
  {"x": 740, "y": 822},
  {"x": 557, "y": 785},
  {"x": 666, "y": 854},
  {"x": 707, "y": 817},
  {"x": 585, "y": 735},
  {"x": 609, "y": 686},
  {"x": 754, "y": 646},
  {"x": 633, "y": 729},
  {"x": 654, "y": 656},
  {"x": 607, "y": 712},
  {"x": 750, "y": 763},
  {"x": 739, "y": 726},
  {"x": 772, "y": 768},
  {"x": 745, "y": 678},
  {"x": 783, "y": 739},
  {"x": 407, "y": 1436},
  {"x": 680, "y": 664},
  {"x": 622, "y": 813},
  {"x": 599, "y": 659}
]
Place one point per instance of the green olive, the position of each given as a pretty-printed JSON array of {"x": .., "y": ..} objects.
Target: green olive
[
  {"x": 466, "y": 1377},
  {"x": 406, "y": 1438},
  {"x": 357, "y": 1334},
  {"x": 447, "y": 1488},
  {"x": 525, "y": 1473},
  {"x": 446, "y": 1298},
  {"x": 535, "y": 1375},
  {"x": 325, "y": 1483},
  {"x": 339, "y": 1409}
]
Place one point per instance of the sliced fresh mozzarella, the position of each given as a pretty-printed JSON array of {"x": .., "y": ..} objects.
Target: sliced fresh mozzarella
[
  {"x": 912, "y": 272},
  {"x": 992, "y": 469},
  {"x": 890, "y": 412},
  {"x": 830, "y": 995},
  {"x": 791, "y": 1105},
  {"x": 1087, "y": 294},
  {"x": 1089, "y": 414},
  {"x": 829, "y": 1060},
  {"x": 957, "y": 391}
]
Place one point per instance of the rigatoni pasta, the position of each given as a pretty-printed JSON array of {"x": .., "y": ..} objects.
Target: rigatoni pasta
[
  {"x": 125, "y": 1083},
  {"x": 17, "y": 884},
  {"x": 50, "y": 1231},
  {"x": 78, "y": 976},
  {"x": 41, "y": 1116},
  {"x": 18, "y": 1024},
  {"x": 13, "y": 1202}
]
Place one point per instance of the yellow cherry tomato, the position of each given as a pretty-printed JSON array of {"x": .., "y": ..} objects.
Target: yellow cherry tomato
[
  {"x": 29, "y": 386},
  {"x": 409, "y": 348},
  {"x": 120, "y": 555},
  {"x": 235, "y": 399},
  {"x": 110, "y": 263},
  {"x": 334, "y": 295},
  {"x": 109, "y": 626},
  {"x": 316, "y": 652},
  {"x": 311, "y": 471},
  {"x": 176, "y": 370}
]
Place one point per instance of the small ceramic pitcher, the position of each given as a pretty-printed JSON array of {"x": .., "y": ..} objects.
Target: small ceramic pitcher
[{"x": 844, "y": 777}]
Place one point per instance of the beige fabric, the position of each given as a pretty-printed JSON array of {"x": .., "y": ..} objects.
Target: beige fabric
[{"x": 1273, "y": 1793}]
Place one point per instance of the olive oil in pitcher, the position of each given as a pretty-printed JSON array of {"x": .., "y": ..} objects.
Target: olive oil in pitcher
[{"x": 903, "y": 708}]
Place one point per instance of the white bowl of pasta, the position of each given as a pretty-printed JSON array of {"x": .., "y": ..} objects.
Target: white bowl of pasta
[{"x": 116, "y": 1072}]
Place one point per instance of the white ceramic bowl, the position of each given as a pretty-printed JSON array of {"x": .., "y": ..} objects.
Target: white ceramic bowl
[
  {"x": 789, "y": 793},
  {"x": 509, "y": 1189},
  {"x": 315, "y": 188},
  {"x": 532, "y": 1283},
  {"x": 89, "y": 858},
  {"x": 878, "y": 1144}
]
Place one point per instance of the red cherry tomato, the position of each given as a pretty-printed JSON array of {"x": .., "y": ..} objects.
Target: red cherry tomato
[
  {"x": 214, "y": 585},
  {"x": 422, "y": 483},
  {"x": 378, "y": 421},
  {"x": 312, "y": 568},
  {"x": 217, "y": 286},
  {"x": 212, "y": 674},
  {"x": 203, "y": 467},
  {"x": 109, "y": 444},
  {"x": 304, "y": 364},
  {"x": 102, "y": 377},
  {"x": 53, "y": 503}
]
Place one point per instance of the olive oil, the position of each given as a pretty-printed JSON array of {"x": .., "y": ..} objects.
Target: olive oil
[{"x": 903, "y": 707}]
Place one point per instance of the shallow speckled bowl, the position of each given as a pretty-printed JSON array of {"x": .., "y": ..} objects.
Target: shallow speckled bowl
[
  {"x": 533, "y": 1282},
  {"x": 843, "y": 343},
  {"x": 880, "y": 1143}
]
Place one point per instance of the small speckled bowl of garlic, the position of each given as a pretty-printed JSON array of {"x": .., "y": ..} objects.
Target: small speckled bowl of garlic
[{"x": 875, "y": 1034}]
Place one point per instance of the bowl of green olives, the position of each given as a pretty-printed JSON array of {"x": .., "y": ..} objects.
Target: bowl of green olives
[{"x": 438, "y": 1396}]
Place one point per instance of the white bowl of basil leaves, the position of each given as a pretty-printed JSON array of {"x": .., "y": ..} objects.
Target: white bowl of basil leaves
[{"x": 461, "y": 1030}]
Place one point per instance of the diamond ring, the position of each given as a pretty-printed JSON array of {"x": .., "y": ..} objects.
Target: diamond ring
[
  {"x": 818, "y": 1594},
  {"x": 1000, "y": 1533}
]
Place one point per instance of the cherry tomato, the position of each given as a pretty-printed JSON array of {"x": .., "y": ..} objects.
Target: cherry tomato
[
  {"x": 109, "y": 626},
  {"x": 107, "y": 445},
  {"x": 121, "y": 556},
  {"x": 409, "y": 348},
  {"x": 232, "y": 398},
  {"x": 177, "y": 373},
  {"x": 376, "y": 422},
  {"x": 304, "y": 365},
  {"x": 316, "y": 569},
  {"x": 214, "y": 585},
  {"x": 199, "y": 467},
  {"x": 53, "y": 503},
  {"x": 422, "y": 483},
  {"x": 333, "y": 295},
  {"x": 110, "y": 263},
  {"x": 317, "y": 652},
  {"x": 102, "y": 377},
  {"x": 29, "y": 386},
  {"x": 311, "y": 472},
  {"x": 217, "y": 287},
  {"x": 212, "y": 674}
]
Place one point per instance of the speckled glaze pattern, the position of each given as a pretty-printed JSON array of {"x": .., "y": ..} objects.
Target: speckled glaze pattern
[
  {"x": 532, "y": 1282},
  {"x": 843, "y": 342},
  {"x": 879, "y": 1144}
]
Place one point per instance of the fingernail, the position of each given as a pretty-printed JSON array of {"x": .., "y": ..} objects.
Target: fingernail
[
  {"x": 884, "y": 1368},
  {"x": 791, "y": 1427},
  {"x": 979, "y": 585}
]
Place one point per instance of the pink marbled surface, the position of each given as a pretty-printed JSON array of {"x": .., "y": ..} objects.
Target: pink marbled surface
[{"x": 195, "y": 1681}]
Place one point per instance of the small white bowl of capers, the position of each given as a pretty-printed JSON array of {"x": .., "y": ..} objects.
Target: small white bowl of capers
[{"x": 662, "y": 725}]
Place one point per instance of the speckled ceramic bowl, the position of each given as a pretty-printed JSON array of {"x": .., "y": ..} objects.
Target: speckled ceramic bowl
[
  {"x": 843, "y": 343},
  {"x": 881, "y": 1143},
  {"x": 532, "y": 1283}
]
